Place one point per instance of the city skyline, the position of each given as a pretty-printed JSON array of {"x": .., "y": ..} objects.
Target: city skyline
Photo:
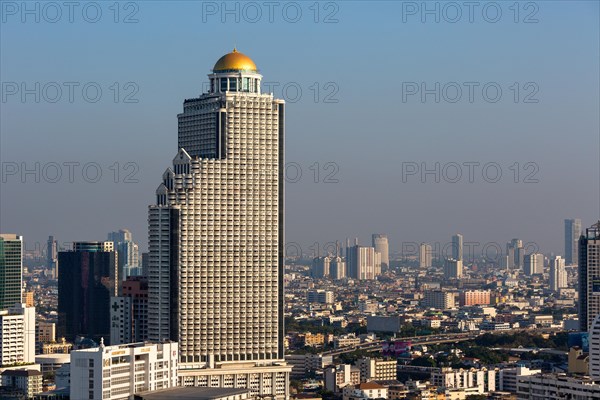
[{"x": 320, "y": 131}]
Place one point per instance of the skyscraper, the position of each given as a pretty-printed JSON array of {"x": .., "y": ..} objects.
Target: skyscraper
[
  {"x": 516, "y": 254},
  {"x": 572, "y": 234},
  {"x": 11, "y": 270},
  {"x": 127, "y": 253},
  {"x": 381, "y": 245},
  {"x": 52, "y": 256},
  {"x": 453, "y": 269},
  {"x": 363, "y": 262},
  {"x": 216, "y": 242},
  {"x": 87, "y": 278},
  {"x": 457, "y": 247},
  {"x": 558, "y": 274},
  {"x": 533, "y": 264},
  {"x": 589, "y": 276},
  {"x": 425, "y": 255}
]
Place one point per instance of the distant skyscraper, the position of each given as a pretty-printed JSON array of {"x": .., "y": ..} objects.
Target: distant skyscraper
[
  {"x": 533, "y": 264},
  {"x": 516, "y": 254},
  {"x": 558, "y": 274},
  {"x": 453, "y": 269},
  {"x": 589, "y": 276},
  {"x": 127, "y": 253},
  {"x": 11, "y": 270},
  {"x": 337, "y": 268},
  {"x": 216, "y": 237},
  {"x": 87, "y": 278},
  {"x": 572, "y": 234},
  {"x": 425, "y": 255},
  {"x": 363, "y": 262},
  {"x": 320, "y": 267},
  {"x": 381, "y": 245},
  {"x": 52, "y": 256},
  {"x": 457, "y": 247}
]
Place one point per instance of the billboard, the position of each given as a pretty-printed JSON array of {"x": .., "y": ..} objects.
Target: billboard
[
  {"x": 395, "y": 348},
  {"x": 579, "y": 339}
]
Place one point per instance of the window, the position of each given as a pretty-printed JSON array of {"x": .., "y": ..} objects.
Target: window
[
  {"x": 233, "y": 84},
  {"x": 223, "y": 84}
]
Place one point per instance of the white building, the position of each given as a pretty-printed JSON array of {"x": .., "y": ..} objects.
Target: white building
[
  {"x": 27, "y": 381},
  {"x": 381, "y": 245},
  {"x": 363, "y": 263},
  {"x": 425, "y": 255},
  {"x": 508, "y": 377},
  {"x": 594, "y": 340},
  {"x": 376, "y": 369},
  {"x": 216, "y": 237},
  {"x": 476, "y": 380},
  {"x": 533, "y": 263},
  {"x": 556, "y": 387},
  {"x": 17, "y": 335},
  {"x": 337, "y": 268},
  {"x": 365, "y": 391},
  {"x": 558, "y": 274},
  {"x": 118, "y": 372}
]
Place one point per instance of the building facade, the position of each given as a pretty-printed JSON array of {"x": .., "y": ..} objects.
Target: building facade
[
  {"x": 216, "y": 237},
  {"x": 438, "y": 299},
  {"x": 129, "y": 312},
  {"x": 457, "y": 247},
  {"x": 11, "y": 270},
  {"x": 453, "y": 269},
  {"x": 589, "y": 276},
  {"x": 364, "y": 263},
  {"x": 118, "y": 372},
  {"x": 381, "y": 245},
  {"x": 87, "y": 278},
  {"x": 17, "y": 335},
  {"x": 572, "y": 234},
  {"x": 558, "y": 274},
  {"x": 533, "y": 264},
  {"x": 425, "y": 255}
]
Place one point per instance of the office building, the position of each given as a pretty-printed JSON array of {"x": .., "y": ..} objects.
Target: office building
[
  {"x": 119, "y": 372},
  {"x": 558, "y": 274},
  {"x": 17, "y": 335},
  {"x": 363, "y": 263},
  {"x": 129, "y": 312},
  {"x": 457, "y": 247},
  {"x": 453, "y": 269},
  {"x": 515, "y": 253},
  {"x": 572, "y": 234},
  {"x": 381, "y": 245},
  {"x": 11, "y": 270},
  {"x": 87, "y": 278},
  {"x": 589, "y": 276},
  {"x": 425, "y": 255},
  {"x": 533, "y": 264},
  {"x": 216, "y": 237}
]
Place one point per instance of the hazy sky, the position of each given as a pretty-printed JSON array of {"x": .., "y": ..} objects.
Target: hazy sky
[{"x": 361, "y": 67}]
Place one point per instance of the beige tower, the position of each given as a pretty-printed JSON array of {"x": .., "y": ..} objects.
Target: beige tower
[{"x": 216, "y": 237}]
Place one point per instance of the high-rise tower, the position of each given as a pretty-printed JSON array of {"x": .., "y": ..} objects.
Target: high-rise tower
[
  {"x": 216, "y": 245},
  {"x": 11, "y": 270},
  {"x": 457, "y": 247},
  {"x": 572, "y": 234},
  {"x": 589, "y": 276},
  {"x": 381, "y": 245}
]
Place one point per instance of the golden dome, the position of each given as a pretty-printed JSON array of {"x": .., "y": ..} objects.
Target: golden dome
[{"x": 234, "y": 61}]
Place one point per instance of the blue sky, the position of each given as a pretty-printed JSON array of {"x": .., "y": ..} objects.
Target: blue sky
[{"x": 365, "y": 62}]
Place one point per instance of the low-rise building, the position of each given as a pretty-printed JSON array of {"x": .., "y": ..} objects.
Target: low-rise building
[
  {"x": 556, "y": 387},
  {"x": 364, "y": 391},
  {"x": 377, "y": 369},
  {"x": 26, "y": 381}
]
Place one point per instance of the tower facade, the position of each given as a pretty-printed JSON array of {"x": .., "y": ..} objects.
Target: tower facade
[
  {"x": 381, "y": 245},
  {"x": 11, "y": 270},
  {"x": 425, "y": 255},
  {"x": 457, "y": 247},
  {"x": 572, "y": 233},
  {"x": 558, "y": 274},
  {"x": 216, "y": 245},
  {"x": 589, "y": 276}
]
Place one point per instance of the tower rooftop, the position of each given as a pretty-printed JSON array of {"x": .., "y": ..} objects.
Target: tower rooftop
[{"x": 235, "y": 61}]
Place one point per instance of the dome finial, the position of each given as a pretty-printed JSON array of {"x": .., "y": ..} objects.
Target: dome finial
[{"x": 234, "y": 49}]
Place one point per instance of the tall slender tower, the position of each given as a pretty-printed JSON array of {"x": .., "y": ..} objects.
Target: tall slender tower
[
  {"x": 457, "y": 247},
  {"x": 381, "y": 245},
  {"x": 572, "y": 233},
  {"x": 589, "y": 276},
  {"x": 216, "y": 245}
]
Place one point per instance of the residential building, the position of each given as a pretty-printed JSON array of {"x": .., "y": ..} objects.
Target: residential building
[
  {"x": 474, "y": 297},
  {"x": 558, "y": 274},
  {"x": 508, "y": 377},
  {"x": 364, "y": 263},
  {"x": 480, "y": 381},
  {"x": 17, "y": 335},
  {"x": 594, "y": 355},
  {"x": 589, "y": 276},
  {"x": 438, "y": 299},
  {"x": 572, "y": 234},
  {"x": 366, "y": 390},
  {"x": 425, "y": 255},
  {"x": 320, "y": 296},
  {"x": 533, "y": 264},
  {"x": 556, "y": 387},
  {"x": 46, "y": 332},
  {"x": 129, "y": 312},
  {"x": 381, "y": 245},
  {"x": 376, "y": 369},
  {"x": 26, "y": 381},
  {"x": 339, "y": 376}
]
